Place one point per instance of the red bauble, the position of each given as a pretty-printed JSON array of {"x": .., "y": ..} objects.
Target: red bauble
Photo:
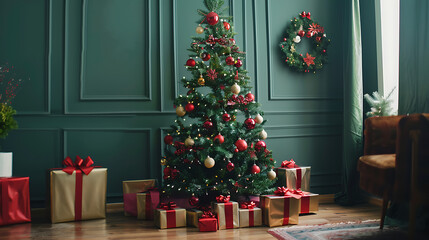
[
  {"x": 236, "y": 150},
  {"x": 324, "y": 51},
  {"x": 189, "y": 92},
  {"x": 318, "y": 38},
  {"x": 212, "y": 18},
  {"x": 168, "y": 139},
  {"x": 207, "y": 124},
  {"x": 205, "y": 56},
  {"x": 261, "y": 145},
  {"x": 241, "y": 145},
  {"x": 250, "y": 123},
  {"x": 189, "y": 107},
  {"x": 301, "y": 33},
  {"x": 193, "y": 201},
  {"x": 226, "y": 25},
  {"x": 226, "y": 117},
  {"x": 229, "y": 60},
  {"x": 190, "y": 63},
  {"x": 238, "y": 63},
  {"x": 255, "y": 169},
  {"x": 230, "y": 166},
  {"x": 220, "y": 139},
  {"x": 309, "y": 34},
  {"x": 250, "y": 97},
  {"x": 167, "y": 172}
]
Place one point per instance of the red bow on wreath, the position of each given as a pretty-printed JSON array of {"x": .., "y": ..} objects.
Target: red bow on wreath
[
  {"x": 305, "y": 15},
  {"x": 78, "y": 164},
  {"x": 222, "y": 199},
  {"x": 248, "y": 205},
  {"x": 289, "y": 164},
  {"x": 167, "y": 206}
]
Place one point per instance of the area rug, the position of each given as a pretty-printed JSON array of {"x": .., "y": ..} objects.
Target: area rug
[{"x": 350, "y": 230}]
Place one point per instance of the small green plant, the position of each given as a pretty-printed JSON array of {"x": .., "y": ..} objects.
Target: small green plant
[{"x": 7, "y": 122}]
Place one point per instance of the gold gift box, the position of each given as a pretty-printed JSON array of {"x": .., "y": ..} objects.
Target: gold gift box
[
  {"x": 287, "y": 177},
  {"x": 273, "y": 210},
  {"x": 161, "y": 218},
  {"x": 312, "y": 199},
  {"x": 192, "y": 217},
  {"x": 62, "y": 195},
  {"x": 245, "y": 217},
  {"x": 137, "y": 186},
  {"x": 219, "y": 209}
]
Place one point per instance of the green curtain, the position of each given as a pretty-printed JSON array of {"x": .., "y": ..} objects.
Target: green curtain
[
  {"x": 413, "y": 54},
  {"x": 353, "y": 101}
]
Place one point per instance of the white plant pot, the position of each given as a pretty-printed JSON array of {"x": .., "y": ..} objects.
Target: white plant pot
[{"x": 5, "y": 164}]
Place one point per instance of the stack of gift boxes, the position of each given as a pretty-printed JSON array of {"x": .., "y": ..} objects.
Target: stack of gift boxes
[{"x": 78, "y": 192}]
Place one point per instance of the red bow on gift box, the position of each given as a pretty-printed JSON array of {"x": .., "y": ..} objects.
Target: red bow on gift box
[
  {"x": 167, "y": 206},
  {"x": 295, "y": 193},
  {"x": 208, "y": 214},
  {"x": 248, "y": 205},
  {"x": 78, "y": 164},
  {"x": 222, "y": 199},
  {"x": 289, "y": 164}
]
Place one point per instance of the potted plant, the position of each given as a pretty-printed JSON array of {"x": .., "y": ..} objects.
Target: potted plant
[{"x": 10, "y": 83}]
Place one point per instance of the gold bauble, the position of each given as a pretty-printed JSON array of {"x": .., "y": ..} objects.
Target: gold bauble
[
  {"x": 271, "y": 175},
  {"x": 259, "y": 119},
  {"x": 233, "y": 118},
  {"x": 180, "y": 111},
  {"x": 263, "y": 134},
  {"x": 235, "y": 88},
  {"x": 199, "y": 30},
  {"x": 163, "y": 162},
  {"x": 209, "y": 162},
  {"x": 201, "y": 81},
  {"x": 189, "y": 142}
]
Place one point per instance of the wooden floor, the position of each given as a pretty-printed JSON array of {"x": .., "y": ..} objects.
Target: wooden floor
[{"x": 117, "y": 226}]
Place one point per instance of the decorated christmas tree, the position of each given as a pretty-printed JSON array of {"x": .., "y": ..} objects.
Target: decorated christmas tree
[{"x": 216, "y": 145}]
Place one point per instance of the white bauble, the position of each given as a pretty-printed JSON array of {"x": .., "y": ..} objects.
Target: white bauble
[
  {"x": 235, "y": 88},
  {"x": 180, "y": 111},
  {"x": 189, "y": 142},
  {"x": 296, "y": 39},
  {"x": 259, "y": 119},
  {"x": 271, "y": 175},
  {"x": 209, "y": 162},
  {"x": 263, "y": 134}
]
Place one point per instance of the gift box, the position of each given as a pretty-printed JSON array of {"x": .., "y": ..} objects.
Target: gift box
[
  {"x": 78, "y": 191},
  {"x": 170, "y": 217},
  {"x": 250, "y": 216},
  {"x": 279, "y": 210},
  {"x": 207, "y": 224},
  {"x": 294, "y": 178},
  {"x": 309, "y": 203},
  {"x": 192, "y": 217},
  {"x": 250, "y": 198},
  {"x": 227, "y": 213},
  {"x": 147, "y": 203},
  {"x": 130, "y": 189},
  {"x": 14, "y": 200}
]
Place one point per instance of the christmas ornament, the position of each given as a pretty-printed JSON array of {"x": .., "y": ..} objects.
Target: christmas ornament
[
  {"x": 250, "y": 97},
  {"x": 238, "y": 63},
  {"x": 190, "y": 63},
  {"x": 212, "y": 74},
  {"x": 230, "y": 166},
  {"x": 259, "y": 119},
  {"x": 167, "y": 171},
  {"x": 235, "y": 88},
  {"x": 316, "y": 57},
  {"x": 168, "y": 139},
  {"x": 199, "y": 29},
  {"x": 201, "y": 81},
  {"x": 205, "y": 56},
  {"x": 209, "y": 162},
  {"x": 255, "y": 169},
  {"x": 263, "y": 135},
  {"x": 250, "y": 123},
  {"x": 180, "y": 111},
  {"x": 193, "y": 201},
  {"x": 174, "y": 173},
  {"x": 229, "y": 60},
  {"x": 232, "y": 41},
  {"x": 207, "y": 125},
  {"x": 226, "y": 25},
  {"x": 271, "y": 175},
  {"x": 226, "y": 117},
  {"x": 219, "y": 139},
  {"x": 189, "y": 142},
  {"x": 189, "y": 107},
  {"x": 163, "y": 162},
  {"x": 233, "y": 118},
  {"x": 212, "y": 18},
  {"x": 260, "y": 145},
  {"x": 241, "y": 145}
]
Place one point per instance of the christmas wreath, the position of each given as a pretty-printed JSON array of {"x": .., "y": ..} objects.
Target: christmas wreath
[{"x": 300, "y": 28}]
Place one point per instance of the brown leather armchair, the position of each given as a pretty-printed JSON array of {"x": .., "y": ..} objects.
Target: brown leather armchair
[{"x": 385, "y": 167}]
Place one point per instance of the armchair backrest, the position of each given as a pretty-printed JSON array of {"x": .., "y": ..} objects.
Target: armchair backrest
[{"x": 380, "y": 135}]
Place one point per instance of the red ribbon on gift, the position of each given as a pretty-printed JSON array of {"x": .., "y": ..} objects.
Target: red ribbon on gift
[
  {"x": 222, "y": 199},
  {"x": 171, "y": 213},
  {"x": 208, "y": 214},
  {"x": 168, "y": 206},
  {"x": 295, "y": 193},
  {"x": 248, "y": 205},
  {"x": 289, "y": 164},
  {"x": 79, "y": 165},
  {"x": 152, "y": 200}
]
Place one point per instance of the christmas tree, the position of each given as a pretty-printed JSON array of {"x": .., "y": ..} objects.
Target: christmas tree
[{"x": 222, "y": 151}]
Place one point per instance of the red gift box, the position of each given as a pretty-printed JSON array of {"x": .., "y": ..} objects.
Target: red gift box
[
  {"x": 14, "y": 200},
  {"x": 207, "y": 224}
]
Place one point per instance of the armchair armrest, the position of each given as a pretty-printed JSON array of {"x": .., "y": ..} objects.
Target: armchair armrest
[{"x": 380, "y": 135}]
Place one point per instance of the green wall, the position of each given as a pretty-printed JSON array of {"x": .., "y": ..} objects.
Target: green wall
[{"x": 104, "y": 74}]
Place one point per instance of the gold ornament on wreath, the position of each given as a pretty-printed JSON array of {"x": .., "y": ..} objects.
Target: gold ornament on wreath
[{"x": 299, "y": 29}]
